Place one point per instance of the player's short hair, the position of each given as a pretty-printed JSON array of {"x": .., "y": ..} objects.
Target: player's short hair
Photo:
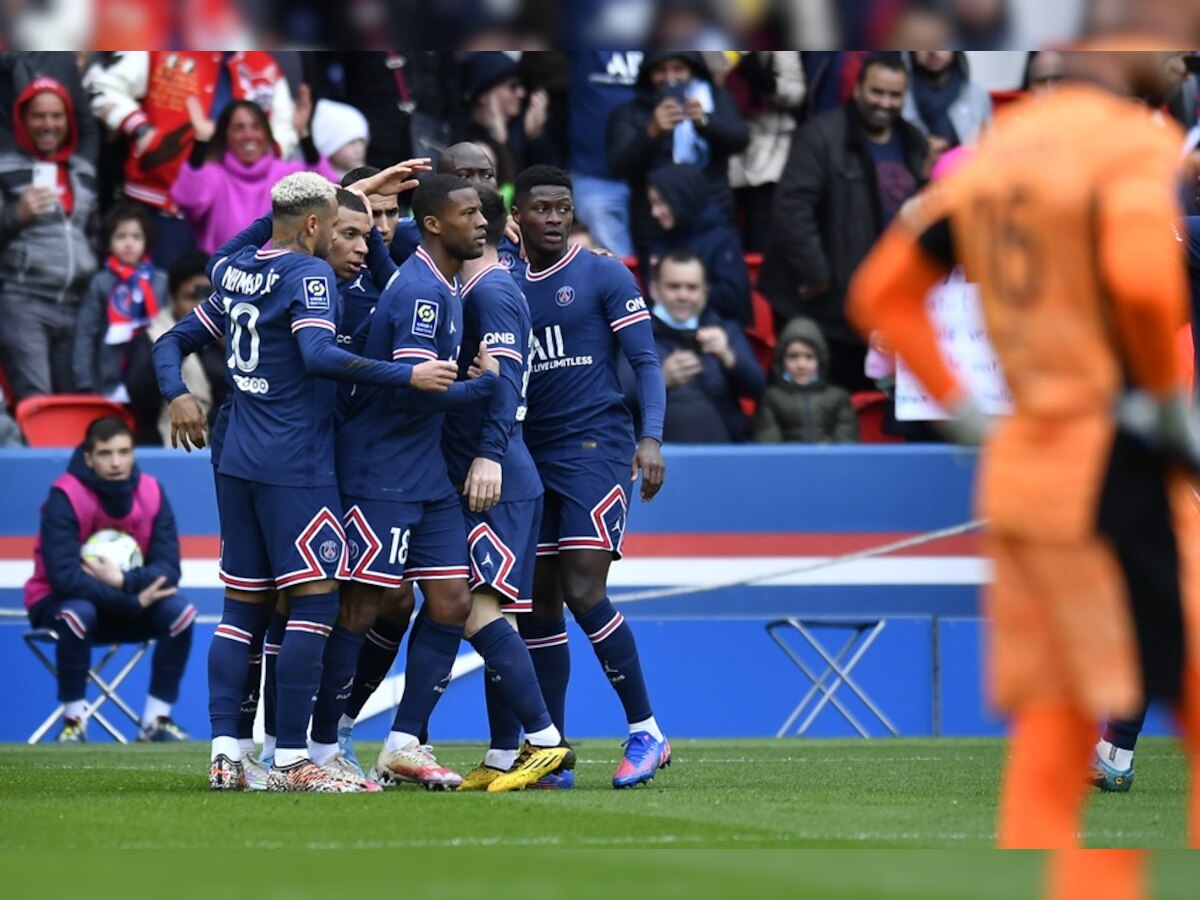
[
  {"x": 104, "y": 429},
  {"x": 351, "y": 201},
  {"x": 301, "y": 193},
  {"x": 679, "y": 257},
  {"x": 541, "y": 176},
  {"x": 883, "y": 59},
  {"x": 125, "y": 211},
  {"x": 187, "y": 266},
  {"x": 494, "y": 210},
  {"x": 430, "y": 198},
  {"x": 359, "y": 174}
]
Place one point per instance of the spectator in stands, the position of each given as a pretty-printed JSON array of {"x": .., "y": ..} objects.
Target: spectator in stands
[
  {"x": 204, "y": 373},
  {"x": 1044, "y": 70},
  {"x": 121, "y": 301},
  {"x": 141, "y": 95},
  {"x": 707, "y": 362},
  {"x": 678, "y": 116},
  {"x": 769, "y": 89},
  {"x": 47, "y": 197},
  {"x": 832, "y": 77},
  {"x": 801, "y": 406},
  {"x": 981, "y": 24},
  {"x": 227, "y": 181},
  {"x": 942, "y": 100},
  {"x": 409, "y": 98},
  {"x": 681, "y": 204},
  {"x": 341, "y": 135},
  {"x": 94, "y": 600},
  {"x": 921, "y": 26},
  {"x": 18, "y": 68},
  {"x": 848, "y": 173},
  {"x": 600, "y": 81},
  {"x": 504, "y": 114}
]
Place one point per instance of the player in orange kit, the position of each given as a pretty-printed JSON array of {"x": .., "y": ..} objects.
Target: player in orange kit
[{"x": 1063, "y": 220}]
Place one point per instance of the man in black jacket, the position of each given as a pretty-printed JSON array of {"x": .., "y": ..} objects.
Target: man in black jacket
[
  {"x": 849, "y": 172},
  {"x": 678, "y": 116}
]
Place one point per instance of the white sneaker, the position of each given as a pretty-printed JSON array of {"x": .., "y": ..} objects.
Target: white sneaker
[{"x": 415, "y": 765}]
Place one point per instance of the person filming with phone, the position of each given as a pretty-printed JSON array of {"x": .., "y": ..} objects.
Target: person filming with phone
[
  {"x": 706, "y": 361},
  {"x": 47, "y": 197},
  {"x": 678, "y": 116}
]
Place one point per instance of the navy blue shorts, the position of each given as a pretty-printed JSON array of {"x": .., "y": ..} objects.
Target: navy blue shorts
[
  {"x": 391, "y": 542},
  {"x": 275, "y": 537},
  {"x": 585, "y": 506},
  {"x": 503, "y": 547}
]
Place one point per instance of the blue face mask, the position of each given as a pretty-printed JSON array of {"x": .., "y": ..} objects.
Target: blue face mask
[{"x": 660, "y": 312}]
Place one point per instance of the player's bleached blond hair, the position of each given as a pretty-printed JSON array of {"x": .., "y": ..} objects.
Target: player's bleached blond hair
[{"x": 302, "y": 193}]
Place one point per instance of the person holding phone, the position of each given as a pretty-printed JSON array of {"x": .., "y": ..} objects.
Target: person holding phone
[
  {"x": 47, "y": 196},
  {"x": 678, "y": 116}
]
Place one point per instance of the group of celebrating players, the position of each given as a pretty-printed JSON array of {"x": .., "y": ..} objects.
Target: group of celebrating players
[{"x": 362, "y": 450}]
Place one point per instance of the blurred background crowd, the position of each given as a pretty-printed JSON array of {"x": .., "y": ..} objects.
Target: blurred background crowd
[{"x": 742, "y": 187}]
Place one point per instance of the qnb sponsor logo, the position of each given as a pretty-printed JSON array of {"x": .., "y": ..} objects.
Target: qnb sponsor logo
[
  {"x": 251, "y": 384},
  {"x": 635, "y": 305},
  {"x": 500, "y": 337},
  {"x": 345, "y": 339},
  {"x": 550, "y": 352}
]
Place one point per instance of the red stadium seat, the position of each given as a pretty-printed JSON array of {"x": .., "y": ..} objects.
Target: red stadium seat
[
  {"x": 870, "y": 406},
  {"x": 60, "y": 420}
]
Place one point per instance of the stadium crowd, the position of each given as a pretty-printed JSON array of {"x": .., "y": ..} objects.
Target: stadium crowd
[{"x": 743, "y": 187}]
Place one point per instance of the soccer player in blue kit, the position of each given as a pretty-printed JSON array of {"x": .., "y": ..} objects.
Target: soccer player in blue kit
[
  {"x": 279, "y": 507},
  {"x": 585, "y": 310},
  {"x": 501, "y": 496}
]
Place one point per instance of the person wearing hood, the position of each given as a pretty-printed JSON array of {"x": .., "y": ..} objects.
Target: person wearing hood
[
  {"x": 505, "y": 115},
  {"x": 942, "y": 100},
  {"x": 678, "y": 116},
  {"x": 707, "y": 362},
  {"x": 47, "y": 199},
  {"x": 92, "y": 600},
  {"x": 681, "y": 204},
  {"x": 234, "y": 163},
  {"x": 801, "y": 407}
]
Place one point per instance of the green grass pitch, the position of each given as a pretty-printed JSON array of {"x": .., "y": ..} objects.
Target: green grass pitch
[{"x": 736, "y": 795}]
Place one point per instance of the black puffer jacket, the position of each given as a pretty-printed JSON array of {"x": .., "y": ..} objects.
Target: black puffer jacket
[{"x": 827, "y": 216}]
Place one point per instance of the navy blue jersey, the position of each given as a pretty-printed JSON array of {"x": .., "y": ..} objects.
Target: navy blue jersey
[
  {"x": 494, "y": 310},
  {"x": 585, "y": 308},
  {"x": 405, "y": 240},
  {"x": 280, "y": 427},
  {"x": 389, "y": 444}
]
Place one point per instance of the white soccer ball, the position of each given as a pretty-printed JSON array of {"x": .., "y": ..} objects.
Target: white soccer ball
[{"x": 114, "y": 545}]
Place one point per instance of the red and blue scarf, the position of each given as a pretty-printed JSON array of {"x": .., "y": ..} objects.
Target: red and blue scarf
[{"x": 132, "y": 304}]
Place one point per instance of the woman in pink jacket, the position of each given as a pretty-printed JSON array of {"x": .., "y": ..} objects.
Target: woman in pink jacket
[{"x": 227, "y": 181}]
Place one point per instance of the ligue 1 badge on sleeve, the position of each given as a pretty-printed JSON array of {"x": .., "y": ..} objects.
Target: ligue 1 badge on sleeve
[
  {"x": 425, "y": 318},
  {"x": 564, "y": 295},
  {"x": 316, "y": 293}
]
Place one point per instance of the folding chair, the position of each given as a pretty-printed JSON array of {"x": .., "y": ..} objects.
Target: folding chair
[
  {"x": 838, "y": 667},
  {"x": 108, "y": 689}
]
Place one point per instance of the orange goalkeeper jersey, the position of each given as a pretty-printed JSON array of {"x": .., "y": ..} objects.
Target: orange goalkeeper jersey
[{"x": 1063, "y": 219}]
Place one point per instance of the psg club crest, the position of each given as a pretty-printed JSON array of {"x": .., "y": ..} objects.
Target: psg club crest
[
  {"x": 329, "y": 551},
  {"x": 564, "y": 295},
  {"x": 507, "y": 259},
  {"x": 352, "y": 547}
]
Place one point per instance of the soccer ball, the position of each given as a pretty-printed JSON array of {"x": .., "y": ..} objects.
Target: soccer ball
[{"x": 114, "y": 545}]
